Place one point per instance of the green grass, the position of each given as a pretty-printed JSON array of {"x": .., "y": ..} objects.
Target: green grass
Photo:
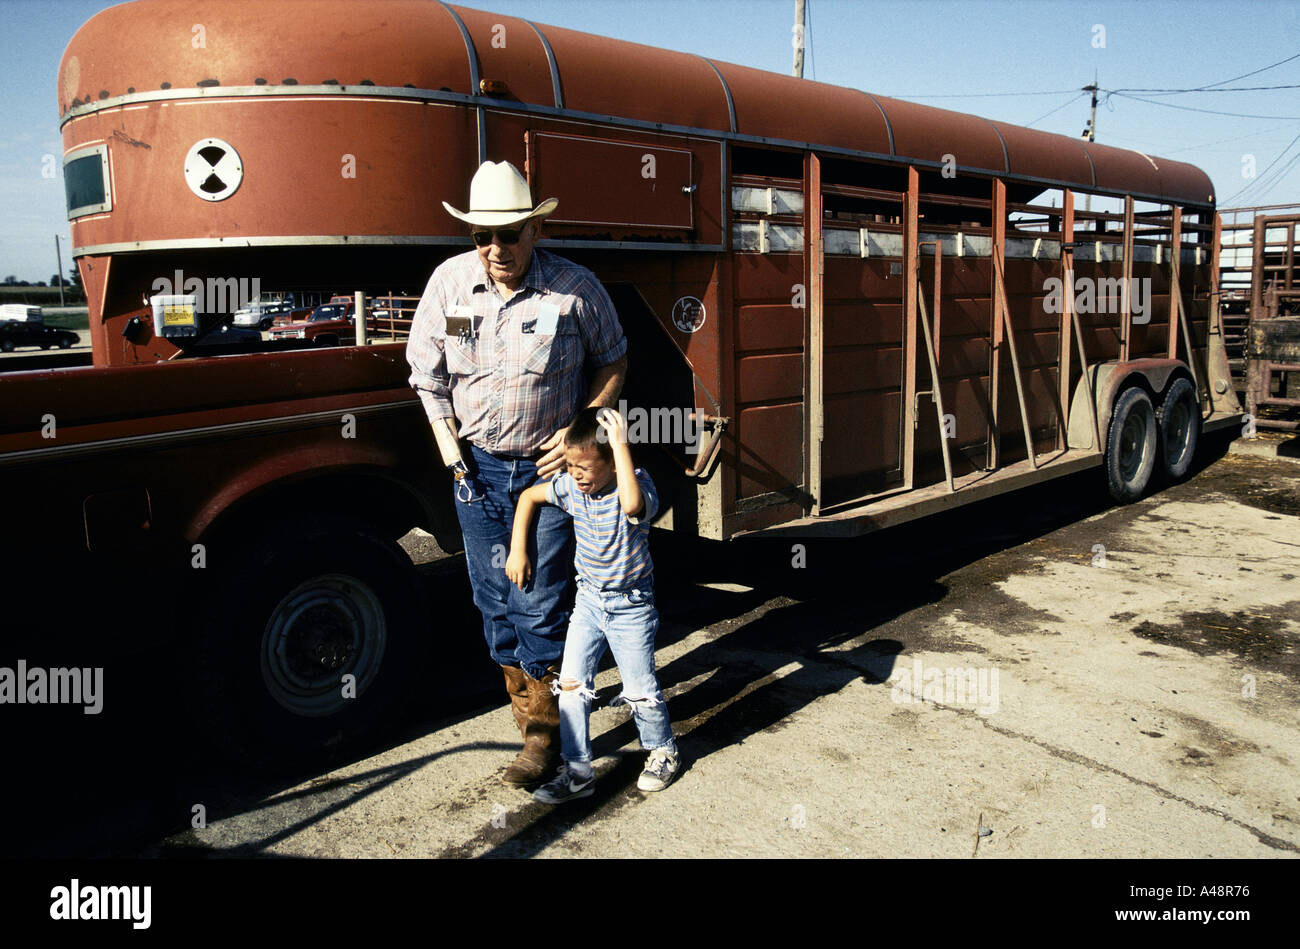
[
  {"x": 40, "y": 296},
  {"x": 69, "y": 321},
  {"x": 46, "y": 297}
]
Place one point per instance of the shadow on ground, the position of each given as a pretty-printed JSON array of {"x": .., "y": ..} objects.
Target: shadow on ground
[{"x": 114, "y": 784}]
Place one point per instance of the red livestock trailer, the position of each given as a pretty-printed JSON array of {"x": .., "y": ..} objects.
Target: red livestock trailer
[
  {"x": 882, "y": 307},
  {"x": 876, "y": 309}
]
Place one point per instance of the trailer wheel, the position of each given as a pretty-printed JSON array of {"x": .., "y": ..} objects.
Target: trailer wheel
[
  {"x": 1131, "y": 446},
  {"x": 1180, "y": 429},
  {"x": 317, "y": 643}
]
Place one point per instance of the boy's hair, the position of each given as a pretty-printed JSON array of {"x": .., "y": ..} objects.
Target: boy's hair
[{"x": 585, "y": 432}]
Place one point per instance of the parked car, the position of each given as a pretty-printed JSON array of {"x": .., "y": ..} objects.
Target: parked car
[
  {"x": 14, "y": 333},
  {"x": 330, "y": 324},
  {"x": 258, "y": 316}
]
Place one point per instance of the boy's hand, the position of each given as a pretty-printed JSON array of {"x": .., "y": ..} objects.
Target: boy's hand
[
  {"x": 612, "y": 421},
  {"x": 518, "y": 569}
]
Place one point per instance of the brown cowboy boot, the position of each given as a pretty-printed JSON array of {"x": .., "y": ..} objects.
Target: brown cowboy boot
[
  {"x": 541, "y": 731},
  {"x": 517, "y": 687}
]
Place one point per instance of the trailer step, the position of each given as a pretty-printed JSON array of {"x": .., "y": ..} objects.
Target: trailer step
[{"x": 855, "y": 520}]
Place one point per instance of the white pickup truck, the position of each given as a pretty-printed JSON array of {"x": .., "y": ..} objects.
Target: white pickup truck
[{"x": 20, "y": 313}]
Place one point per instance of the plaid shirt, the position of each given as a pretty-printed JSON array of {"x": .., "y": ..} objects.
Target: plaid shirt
[{"x": 521, "y": 377}]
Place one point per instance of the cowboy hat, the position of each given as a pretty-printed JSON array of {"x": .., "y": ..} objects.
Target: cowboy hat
[{"x": 498, "y": 195}]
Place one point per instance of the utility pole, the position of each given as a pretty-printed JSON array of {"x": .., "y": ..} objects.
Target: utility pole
[
  {"x": 798, "y": 38},
  {"x": 58, "y": 255},
  {"x": 1090, "y": 133}
]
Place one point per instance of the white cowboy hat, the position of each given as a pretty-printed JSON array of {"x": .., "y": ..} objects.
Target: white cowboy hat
[{"x": 498, "y": 195}]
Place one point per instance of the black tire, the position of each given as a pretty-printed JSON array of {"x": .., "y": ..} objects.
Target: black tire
[
  {"x": 1131, "y": 447},
  {"x": 1180, "y": 429},
  {"x": 64, "y": 343},
  {"x": 7, "y": 345},
  {"x": 312, "y": 600}
]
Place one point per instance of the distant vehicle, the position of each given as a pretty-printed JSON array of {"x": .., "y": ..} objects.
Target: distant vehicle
[
  {"x": 330, "y": 324},
  {"x": 15, "y": 333},
  {"x": 20, "y": 312},
  {"x": 277, "y": 309},
  {"x": 255, "y": 316}
]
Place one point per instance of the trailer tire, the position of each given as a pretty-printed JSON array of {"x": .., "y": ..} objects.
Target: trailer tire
[
  {"x": 1180, "y": 429},
  {"x": 313, "y": 600},
  {"x": 1131, "y": 446}
]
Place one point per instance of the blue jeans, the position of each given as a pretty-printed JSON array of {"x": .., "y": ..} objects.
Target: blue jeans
[
  {"x": 626, "y": 621},
  {"x": 522, "y": 628}
]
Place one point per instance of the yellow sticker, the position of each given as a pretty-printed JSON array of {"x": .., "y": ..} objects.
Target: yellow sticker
[{"x": 178, "y": 315}]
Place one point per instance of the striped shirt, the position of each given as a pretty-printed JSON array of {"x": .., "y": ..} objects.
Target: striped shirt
[
  {"x": 613, "y": 550},
  {"x": 522, "y": 377}
]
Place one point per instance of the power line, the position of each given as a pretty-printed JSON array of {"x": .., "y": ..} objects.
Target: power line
[
  {"x": 1259, "y": 180},
  {"x": 1210, "y": 86},
  {"x": 1220, "y": 141},
  {"x": 1188, "y": 108},
  {"x": 984, "y": 95},
  {"x": 1263, "y": 184},
  {"x": 1265, "y": 187},
  {"x": 1170, "y": 92},
  {"x": 1255, "y": 72},
  {"x": 1071, "y": 101},
  {"x": 812, "y": 62}
]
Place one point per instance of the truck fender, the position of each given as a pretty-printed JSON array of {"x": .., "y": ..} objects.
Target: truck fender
[{"x": 309, "y": 475}]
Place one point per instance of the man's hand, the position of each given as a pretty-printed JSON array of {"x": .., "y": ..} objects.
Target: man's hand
[
  {"x": 518, "y": 569},
  {"x": 553, "y": 460}
]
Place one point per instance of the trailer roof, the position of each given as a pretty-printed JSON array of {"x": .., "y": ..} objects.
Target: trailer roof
[{"x": 429, "y": 45}]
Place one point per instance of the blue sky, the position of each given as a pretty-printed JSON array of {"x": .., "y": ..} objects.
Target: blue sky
[{"x": 948, "y": 54}]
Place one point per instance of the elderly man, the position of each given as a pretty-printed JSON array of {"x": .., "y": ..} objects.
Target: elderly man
[{"x": 507, "y": 345}]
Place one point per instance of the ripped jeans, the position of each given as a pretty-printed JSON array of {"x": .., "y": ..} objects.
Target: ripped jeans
[{"x": 626, "y": 621}]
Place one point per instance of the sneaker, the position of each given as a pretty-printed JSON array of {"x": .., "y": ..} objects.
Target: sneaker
[
  {"x": 660, "y": 769},
  {"x": 565, "y": 786}
]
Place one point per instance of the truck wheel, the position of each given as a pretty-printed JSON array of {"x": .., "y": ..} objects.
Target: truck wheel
[
  {"x": 1180, "y": 429},
  {"x": 65, "y": 343},
  {"x": 1131, "y": 446},
  {"x": 7, "y": 345},
  {"x": 316, "y": 647}
]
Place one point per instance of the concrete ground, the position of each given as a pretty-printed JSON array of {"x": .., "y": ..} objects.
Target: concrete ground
[{"x": 1075, "y": 678}]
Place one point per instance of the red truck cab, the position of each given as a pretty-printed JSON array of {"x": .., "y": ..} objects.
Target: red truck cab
[{"x": 330, "y": 324}]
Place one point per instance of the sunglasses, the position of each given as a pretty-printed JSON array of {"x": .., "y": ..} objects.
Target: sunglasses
[{"x": 506, "y": 235}]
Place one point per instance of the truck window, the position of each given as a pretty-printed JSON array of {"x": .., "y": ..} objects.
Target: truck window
[{"x": 85, "y": 180}]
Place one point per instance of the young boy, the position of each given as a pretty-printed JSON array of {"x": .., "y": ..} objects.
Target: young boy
[{"x": 610, "y": 504}]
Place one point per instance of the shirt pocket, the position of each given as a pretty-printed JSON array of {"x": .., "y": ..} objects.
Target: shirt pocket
[
  {"x": 462, "y": 356},
  {"x": 560, "y": 352}
]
